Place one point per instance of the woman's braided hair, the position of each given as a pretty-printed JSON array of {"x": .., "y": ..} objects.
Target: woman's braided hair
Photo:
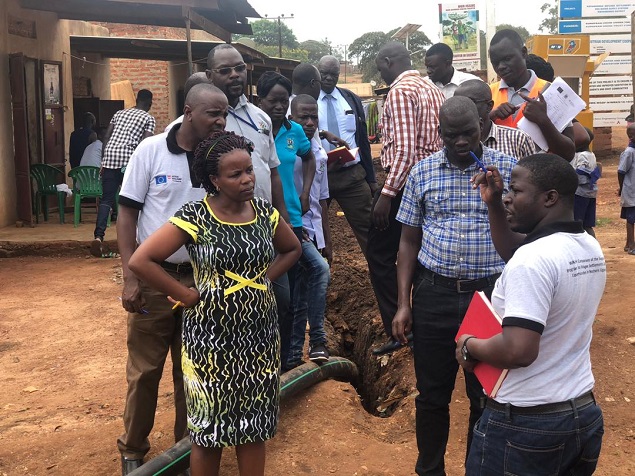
[{"x": 208, "y": 152}]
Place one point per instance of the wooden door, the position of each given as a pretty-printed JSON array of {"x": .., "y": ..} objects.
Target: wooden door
[{"x": 20, "y": 139}]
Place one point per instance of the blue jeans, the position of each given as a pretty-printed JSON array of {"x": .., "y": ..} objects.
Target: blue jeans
[
  {"x": 110, "y": 182},
  {"x": 285, "y": 319},
  {"x": 310, "y": 278},
  {"x": 437, "y": 313},
  {"x": 565, "y": 443}
]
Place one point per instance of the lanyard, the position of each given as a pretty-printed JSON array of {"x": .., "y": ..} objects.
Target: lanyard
[{"x": 251, "y": 122}]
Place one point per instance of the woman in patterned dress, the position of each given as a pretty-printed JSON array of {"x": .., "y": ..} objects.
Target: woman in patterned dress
[{"x": 230, "y": 353}]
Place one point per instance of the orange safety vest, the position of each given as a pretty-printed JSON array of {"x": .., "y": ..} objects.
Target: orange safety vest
[{"x": 500, "y": 96}]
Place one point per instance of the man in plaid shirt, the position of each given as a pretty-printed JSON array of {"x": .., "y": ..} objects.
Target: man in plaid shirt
[
  {"x": 126, "y": 130},
  {"x": 409, "y": 133},
  {"x": 445, "y": 255}
]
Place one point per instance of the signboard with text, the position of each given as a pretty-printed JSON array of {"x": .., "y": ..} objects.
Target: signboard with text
[
  {"x": 611, "y": 43},
  {"x": 622, "y": 103},
  {"x": 609, "y": 119},
  {"x": 610, "y": 85},
  {"x": 614, "y": 65},
  {"x": 595, "y": 25},
  {"x": 595, "y": 8},
  {"x": 458, "y": 24}
]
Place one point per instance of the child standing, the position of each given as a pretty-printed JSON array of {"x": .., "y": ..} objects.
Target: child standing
[
  {"x": 311, "y": 276},
  {"x": 626, "y": 179},
  {"x": 589, "y": 171}
]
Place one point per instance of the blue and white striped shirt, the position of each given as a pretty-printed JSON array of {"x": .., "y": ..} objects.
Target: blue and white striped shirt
[{"x": 439, "y": 197}]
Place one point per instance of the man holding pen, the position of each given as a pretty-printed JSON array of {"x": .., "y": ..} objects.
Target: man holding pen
[{"x": 445, "y": 255}]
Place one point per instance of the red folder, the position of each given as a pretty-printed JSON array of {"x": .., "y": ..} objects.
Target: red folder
[
  {"x": 341, "y": 154},
  {"x": 482, "y": 321}
]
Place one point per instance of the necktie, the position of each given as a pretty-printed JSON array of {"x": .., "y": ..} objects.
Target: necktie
[{"x": 331, "y": 121}]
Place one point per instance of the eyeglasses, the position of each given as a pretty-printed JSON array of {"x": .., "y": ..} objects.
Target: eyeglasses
[{"x": 239, "y": 68}]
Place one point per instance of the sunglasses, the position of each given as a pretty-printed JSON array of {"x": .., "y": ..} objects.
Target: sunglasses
[{"x": 239, "y": 68}]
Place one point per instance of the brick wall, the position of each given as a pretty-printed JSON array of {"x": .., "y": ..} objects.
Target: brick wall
[{"x": 145, "y": 74}]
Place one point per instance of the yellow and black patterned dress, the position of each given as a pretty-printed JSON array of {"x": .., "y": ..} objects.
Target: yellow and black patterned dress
[{"x": 230, "y": 352}]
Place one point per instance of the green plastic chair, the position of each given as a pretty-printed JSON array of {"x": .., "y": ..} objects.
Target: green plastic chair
[
  {"x": 86, "y": 183},
  {"x": 47, "y": 177}
]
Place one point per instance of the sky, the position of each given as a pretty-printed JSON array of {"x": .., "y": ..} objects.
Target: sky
[{"x": 342, "y": 21}]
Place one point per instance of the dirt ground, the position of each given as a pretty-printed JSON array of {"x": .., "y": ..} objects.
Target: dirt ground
[{"x": 62, "y": 361}]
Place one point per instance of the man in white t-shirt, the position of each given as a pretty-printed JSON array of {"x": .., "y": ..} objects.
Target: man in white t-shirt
[
  {"x": 157, "y": 182},
  {"x": 446, "y": 77},
  {"x": 544, "y": 419}
]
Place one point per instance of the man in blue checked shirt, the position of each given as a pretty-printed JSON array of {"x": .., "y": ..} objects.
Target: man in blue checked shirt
[{"x": 445, "y": 255}]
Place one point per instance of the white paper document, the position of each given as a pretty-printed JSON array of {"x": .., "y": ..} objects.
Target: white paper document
[{"x": 563, "y": 104}]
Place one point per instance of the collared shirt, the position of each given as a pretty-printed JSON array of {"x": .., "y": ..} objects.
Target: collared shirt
[
  {"x": 457, "y": 79},
  {"x": 438, "y": 197},
  {"x": 129, "y": 125},
  {"x": 312, "y": 220},
  {"x": 409, "y": 121},
  {"x": 251, "y": 122},
  {"x": 346, "y": 121},
  {"x": 158, "y": 181},
  {"x": 513, "y": 95},
  {"x": 510, "y": 141},
  {"x": 291, "y": 141}
]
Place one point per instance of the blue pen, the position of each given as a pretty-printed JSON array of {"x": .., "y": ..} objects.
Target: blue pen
[{"x": 479, "y": 162}]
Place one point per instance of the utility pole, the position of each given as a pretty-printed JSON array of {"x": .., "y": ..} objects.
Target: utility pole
[{"x": 279, "y": 18}]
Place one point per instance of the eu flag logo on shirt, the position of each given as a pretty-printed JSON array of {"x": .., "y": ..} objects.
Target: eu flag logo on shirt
[{"x": 161, "y": 179}]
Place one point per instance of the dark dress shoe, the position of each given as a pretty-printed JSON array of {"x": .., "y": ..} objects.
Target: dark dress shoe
[
  {"x": 391, "y": 346},
  {"x": 129, "y": 465}
]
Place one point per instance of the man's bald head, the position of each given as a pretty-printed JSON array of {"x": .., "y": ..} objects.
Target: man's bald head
[
  {"x": 392, "y": 60},
  {"x": 329, "y": 68},
  {"x": 193, "y": 80},
  {"x": 458, "y": 108},
  {"x": 200, "y": 91},
  {"x": 328, "y": 60}
]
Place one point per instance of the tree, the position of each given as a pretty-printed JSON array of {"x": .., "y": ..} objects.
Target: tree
[
  {"x": 366, "y": 47},
  {"x": 315, "y": 49},
  {"x": 550, "y": 24},
  {"x": 266, "y": 33},
  {"x": 521, "y": 30}
]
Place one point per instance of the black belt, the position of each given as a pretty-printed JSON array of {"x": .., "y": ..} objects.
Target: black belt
[
  {"x": 180, "y": 268},
  {"x": 573, "y": 404},
  {"x": 459, "y": 285}
]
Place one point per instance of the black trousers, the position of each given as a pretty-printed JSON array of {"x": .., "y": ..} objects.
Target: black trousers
[{"x": 381, "y": 254}]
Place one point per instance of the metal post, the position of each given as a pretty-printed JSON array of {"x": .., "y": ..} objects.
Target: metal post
[
  {"x": 345, "y": 63},
  {"x": 490, "y": 31},
  {"x": 279, "y": 39}
]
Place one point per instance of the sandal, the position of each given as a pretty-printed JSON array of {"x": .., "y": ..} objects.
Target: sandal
[{"x": 631, "y": 252}]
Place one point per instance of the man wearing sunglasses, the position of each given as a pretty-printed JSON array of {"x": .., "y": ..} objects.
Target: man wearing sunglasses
[{"x": 504, "y": 139}]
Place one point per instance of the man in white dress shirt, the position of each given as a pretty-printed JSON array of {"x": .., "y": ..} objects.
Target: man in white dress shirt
[{"x": 441, "y": 72}]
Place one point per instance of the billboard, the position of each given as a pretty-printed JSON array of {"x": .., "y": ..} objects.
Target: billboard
[
  {"x": 458, "y": 24},
  {"x": 595, "y": 8},
  {"x": 595, "y": 25},
  {"x": 610, "y": 85},
  {"x": 614, "y": 65},
  {"x": 611, "y": 43}
]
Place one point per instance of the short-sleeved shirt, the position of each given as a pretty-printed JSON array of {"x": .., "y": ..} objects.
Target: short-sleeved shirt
[
  {"x": 627, "y": 168},
  {"x": 456, "y": 239},
  {"x": 510, "y": 141},
  {"x": 312, "y": 220},
  {"x": 291, "y": 141},
  {"x": 585, "y": 165},
  {"x": 157, "y": 183},
  {"x": 251, "y": 122},
  {"x": 129, "y": 125},
  {"x": 552, "y": 285}
]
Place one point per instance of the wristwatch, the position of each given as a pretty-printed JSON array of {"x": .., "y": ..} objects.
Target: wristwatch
[{"x": 466, "y": 353}]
